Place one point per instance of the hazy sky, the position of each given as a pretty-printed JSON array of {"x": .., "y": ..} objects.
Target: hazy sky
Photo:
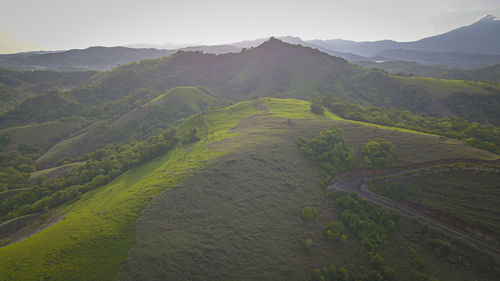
[{"x": 65, "y": 24}]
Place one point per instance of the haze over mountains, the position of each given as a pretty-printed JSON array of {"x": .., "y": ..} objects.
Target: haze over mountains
[{"x": 475, "y": 45}]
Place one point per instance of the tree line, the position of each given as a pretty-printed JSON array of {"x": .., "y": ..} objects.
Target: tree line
[{"x": 100, "y": 168}]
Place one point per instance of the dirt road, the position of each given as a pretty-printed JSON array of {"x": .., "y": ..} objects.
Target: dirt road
[{"x": 357, "y": 184}]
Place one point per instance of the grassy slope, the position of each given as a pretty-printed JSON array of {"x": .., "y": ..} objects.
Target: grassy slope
[
  {"x": 239, "y": 216},
  {"x": 10, "y": 98},
  {"x": 40, "y": 135},
  {"x": 68, "y": 147},
  {"x": 446, "y": 87},
  {"x": 489, "y": 73},
  {"x": 17, "y": 86},
  {"x": 183, "y": 95},
  {"x": 468, "y": 199},
  {"x": 97, "y": 232},
  {"x": 179, "y": 102},
  {"x": 55, "y": 171},
  {"x": 93, "y": 239}
]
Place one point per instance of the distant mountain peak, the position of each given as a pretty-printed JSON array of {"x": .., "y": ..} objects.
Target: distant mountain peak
[
  {"x": 489, "y": 18},
  {"x": 272, "y": 42}
]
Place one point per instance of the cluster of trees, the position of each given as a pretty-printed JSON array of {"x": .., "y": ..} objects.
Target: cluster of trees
[
  {"x": 334, "y": 231},
  {"x": 15, "y": 166},
  {"x": 10, "y": 178},
  {"x": 478, "y": 135},
  {"x": 334, "y": 154},
  {"x": 330, "y": 149},
  {"x": 331, "y": 273},
  {"x": 381, "y": 272},
  {"x": 101, "y": 167},
  {"x": 379, "y": 154},
  {"x": 370, "y": 224}
]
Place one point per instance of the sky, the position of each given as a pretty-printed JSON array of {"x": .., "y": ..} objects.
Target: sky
[{"x": 66, "y": 24}]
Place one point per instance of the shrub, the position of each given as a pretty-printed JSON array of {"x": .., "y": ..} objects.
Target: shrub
[
  {"x": 307, "y": 244},
  {"x": 310, "y": 214},
  {"x": 379, "y": 154},
  {"x": 334, "y": 230},
  {"x": 316, "y": 108}
]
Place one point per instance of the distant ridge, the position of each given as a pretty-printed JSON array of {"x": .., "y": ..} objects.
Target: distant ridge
[
  {"x": 93, "y": 58},
  {"x": 474, "y": 45}
]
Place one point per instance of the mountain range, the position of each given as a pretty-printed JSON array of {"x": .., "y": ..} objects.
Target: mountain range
[{"x": 475, "y": 45}]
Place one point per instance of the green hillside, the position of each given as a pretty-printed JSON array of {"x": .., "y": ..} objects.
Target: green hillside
[
  {"x": 16, "y": 86},
  {"x": 245, "y": 170},
  {"x": 273, "y": 69},
  {"x": 40, "y": 135},
  {"x": 174, "y": 105},
  {"x": 465, "y": 196},
  {"x": 187, "y": 97},
  {"x": 102, "y": 223},
  {"x": 486, "y": 74},
  {"x": 277, "y": 69},
  {"x": 43, "y": 108}
]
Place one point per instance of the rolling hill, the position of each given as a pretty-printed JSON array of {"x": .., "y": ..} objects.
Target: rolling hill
[
  {"x": 279, "y": 69},
  {"x": 176, "y": 104},
  {"x": 133, "y": 100},
  {"x": 17, "y": 86},
  {"x": 229, "y": 199}
]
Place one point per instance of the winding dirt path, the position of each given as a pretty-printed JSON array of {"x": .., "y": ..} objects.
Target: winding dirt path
[{"x": 354, "y": 181}]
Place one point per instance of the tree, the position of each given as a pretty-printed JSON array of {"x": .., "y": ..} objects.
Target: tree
[
  {"x": 377, "y": 261},
  {"x": 310, "y": 214},
  {"x": 334, "y": 230},
  {"x": 343, "y": 239},
  {"x": 379, "y": 154},
  {"x": 316, "y": 108},
  {"x": 330, "y": 149},
  {"x": 4, "y": 140}
]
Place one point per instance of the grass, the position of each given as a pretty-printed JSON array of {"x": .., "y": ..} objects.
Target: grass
[
  {"x": 40, "y": 135},
  {"x": 177, "y": 98},
  {"x": 68, "y": 147},
  {"x": 98, "y": 230},
  {"x": 243, "y": 212},
  {"x": 294, "y": 109},
  {"x": 445, "y": 87},
  {"x": 411, "y": 148},
  {"x": 466, "y": 198},
  {"x": 248, "y": 200},
  {"x": 55, "y": 171},
  {"x": 176, "y": 104},
  {"x": 239, "y": 217}
]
